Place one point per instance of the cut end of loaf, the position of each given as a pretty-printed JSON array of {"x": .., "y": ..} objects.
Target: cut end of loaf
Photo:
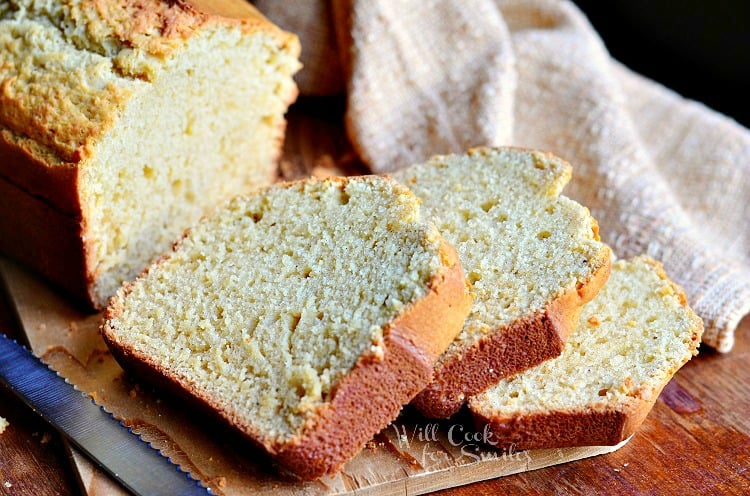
[
  {"x": 533, "y": 258},
  {"x": 71, "y": 67},
  {"x": 161, "y": 112},
  {"x": 214, "y": 140},
  {"x": 631, "y": 339},
  {"x": 280, "y": 307}
]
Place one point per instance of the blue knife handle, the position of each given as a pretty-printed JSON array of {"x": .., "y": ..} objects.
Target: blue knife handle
[{"x": 116, "y": 449}]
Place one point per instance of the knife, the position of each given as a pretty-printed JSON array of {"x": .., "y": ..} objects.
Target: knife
[{"x": 141, "y": 469}]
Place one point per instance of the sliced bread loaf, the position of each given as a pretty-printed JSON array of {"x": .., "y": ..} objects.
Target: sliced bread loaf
[
  {"x": 630, "y": 341},
  {"x": 306, "y": 315},
  {"x": 122, "y": 122},
  {"x": 533, "y": 257}
]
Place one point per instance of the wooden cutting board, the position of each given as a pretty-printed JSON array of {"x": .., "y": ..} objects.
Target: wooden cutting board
[{"x": 412, "y": 456}]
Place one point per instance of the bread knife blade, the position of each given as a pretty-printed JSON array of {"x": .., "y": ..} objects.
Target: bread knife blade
[{"x": 134, "y": 463}]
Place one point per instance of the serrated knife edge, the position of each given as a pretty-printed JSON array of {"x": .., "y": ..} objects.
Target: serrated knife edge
[{"x": 134, "y": 462}]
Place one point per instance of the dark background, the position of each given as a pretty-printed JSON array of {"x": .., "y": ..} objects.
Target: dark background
[{"x": 699, "y": 48}]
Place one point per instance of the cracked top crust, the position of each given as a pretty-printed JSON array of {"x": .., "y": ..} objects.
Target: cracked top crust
[{"x": 68, "y": 67}]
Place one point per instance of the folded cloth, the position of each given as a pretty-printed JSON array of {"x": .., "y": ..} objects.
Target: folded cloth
[{"x": 663, "y": 175}]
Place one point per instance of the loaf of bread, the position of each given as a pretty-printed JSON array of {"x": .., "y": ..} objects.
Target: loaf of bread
[
  {"x": 534, "y": 258},
  {"x": 306, "y": 315},
  {"x": 631, "y": 339},
  {"x": 123, "y": 121}
]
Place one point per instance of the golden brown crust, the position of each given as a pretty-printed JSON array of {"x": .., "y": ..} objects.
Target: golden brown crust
[
  {"x": 606, "y": 425},
  {"x": 43, "y": 163},
  {"x": 595, "y": 426},
  {"x": 372, "y": 395},
  {"x": 66, "y": 116},
  {"x": 603, "y": 424},
  {"x": 509, "y": 350},
  {"x": 42, "y": 226},
  {"x": 363, "y": 403},
  {"x": 25, "y": 165},
  {"x": 39, "y": 236}
]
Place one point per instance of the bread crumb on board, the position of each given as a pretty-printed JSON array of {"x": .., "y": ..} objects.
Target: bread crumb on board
[{"x": 3, "y": 425}]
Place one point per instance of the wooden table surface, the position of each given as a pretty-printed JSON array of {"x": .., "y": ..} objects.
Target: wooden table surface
[{"x": 695, "y": 440}]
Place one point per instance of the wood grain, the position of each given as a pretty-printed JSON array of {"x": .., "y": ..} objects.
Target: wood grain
[
  {"x": 413, "y": 456},
  {"x": 28, "y": 448},
  {"x": 30, "y": 451},
  {"x": 696, "y": 439}
]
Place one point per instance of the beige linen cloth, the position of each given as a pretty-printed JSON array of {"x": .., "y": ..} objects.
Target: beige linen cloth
[{"x": 661, "y": 174}]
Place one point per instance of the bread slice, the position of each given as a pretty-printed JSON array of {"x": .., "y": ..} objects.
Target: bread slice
[
  {"x": 631, "y": 339},
  {"x": 122, "y": 122},
  {"x": 533, "y": 257},
  {"x": 305, "y": 315}
]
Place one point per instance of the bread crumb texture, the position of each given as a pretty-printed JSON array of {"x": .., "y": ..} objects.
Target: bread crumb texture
[
  {"x": 70, "y": 65},
  {"x": 266, "y": 305},
  {"x": 521, "y": 244},
  {"x": 165, "y": 110},
  {"x": 3, "y": 425},
  {"x": 631, "y": 339}
]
